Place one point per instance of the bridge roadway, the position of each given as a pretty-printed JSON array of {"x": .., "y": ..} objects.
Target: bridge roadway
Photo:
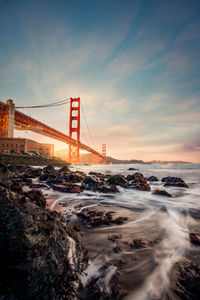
[{"x": 25, "y": 122}]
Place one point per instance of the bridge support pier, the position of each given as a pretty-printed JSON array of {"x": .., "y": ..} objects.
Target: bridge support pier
[
  {"x": 74, "y": 129},
  {"x": 7, "y": 119}
]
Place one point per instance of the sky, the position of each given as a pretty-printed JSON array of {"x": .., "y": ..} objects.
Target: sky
[{"x": 134, "y": 64}]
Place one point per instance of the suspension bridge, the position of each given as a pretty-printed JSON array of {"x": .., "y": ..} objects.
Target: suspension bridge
[{"x": 11, "y": 118}]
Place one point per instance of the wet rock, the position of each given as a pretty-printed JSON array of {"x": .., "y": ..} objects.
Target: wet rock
[
  {"x": 73, "y": 177},
  {"x": 64, "y": 169},
  {"x": 195, "y": 213},
  {"x": 138, "y": 182},
  {"x": 132, "y": 169},
  {"x": 120, "y": 220},
  {"x": 39, "y": 254},
  {"x": 38, "y": 186},
  {"x": 98, "y": 175},
  {"x": 4, "y": 172},
  {"x": 16, "y": 187},
  {"x": 185, "y": 280},
  {"x": 117, "y": 180},
  {"x": 67, "y": 188},
  {"x": 114, "y": 237},
  {"x": 117, "y": 249},
  {"x": 48, "y": 169},
  {"x": 174, "y": 181},
  {"x": 37, "y": 197},
  {"x": 95, "y": 218},
  {"x": 96, "y": 185},
  {"x": 195, "y": 238},
  {"x": 153, "y": 178},
  {"x": 138, "y": 243},
  {"x": 161, "y": 193}
]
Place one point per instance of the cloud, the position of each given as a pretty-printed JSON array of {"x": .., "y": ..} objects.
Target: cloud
[
  {"x": 155, "y": 101},
  {"x": 190, "y": 32}
]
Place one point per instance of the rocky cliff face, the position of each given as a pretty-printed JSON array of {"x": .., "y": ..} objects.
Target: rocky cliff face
[{"x": 40, "y": 256}]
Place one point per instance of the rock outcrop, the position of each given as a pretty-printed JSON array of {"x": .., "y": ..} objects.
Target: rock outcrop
[
  {"x": 174, "y": 181},
  {"x": 40, "y": 256},
  {"x": 138, "y": 182}
]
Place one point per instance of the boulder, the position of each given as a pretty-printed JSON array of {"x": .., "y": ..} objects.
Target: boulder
[
  {"x": 96, "y": 185},
  {"x": 4, "y": 172},
  {"x": 195, "y": 238},
  {"x": 117, "y": 180},
  {"x": 39, "y": 255},
  {"x": 138, "y": 182},
  {"x": 132, "y": 169},
  {"x": 185, "y": 280},
  {"x": 152, "y": 178},
  {"x": 174, "y": 181},
  {"x": 161, "y": 193},
  {"x": 67, "y": 188}
]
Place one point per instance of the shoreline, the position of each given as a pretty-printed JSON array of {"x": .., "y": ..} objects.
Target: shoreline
[{"x": 121, "y": 240}]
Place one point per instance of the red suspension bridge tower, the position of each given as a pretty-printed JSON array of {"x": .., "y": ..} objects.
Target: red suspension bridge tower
[{"x": 74, "y": 129}]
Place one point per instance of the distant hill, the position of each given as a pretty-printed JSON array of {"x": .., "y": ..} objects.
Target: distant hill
[{"x": 87, "y": 159}]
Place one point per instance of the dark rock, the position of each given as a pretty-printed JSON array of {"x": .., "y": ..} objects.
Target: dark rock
[
  {"x": 195, "y": 238},
  {"x": 16, "y": 187},
  {"x": 161, "y": 193},
  {"x": 64, "y": 169},
  {"x": 114, "y": 237},
  {"x": 39, "y": 255},
  {"x": 153, "y": 178},
  {"x": 48, "y": 169},
  {"x": 174, "y": 181},
  {"x": 138, "y": 243},
  {"x": 37, "y": 197},
  {"x": 4, "y": 172},
  {"x": 186, "y": 279},
  {"x": 95, "y": 218},
  {"x": 98, "y": 175},
  {"x": 132, "y": 169},
  {"x": 117, "y": 249},
  {"x": 117, "y": 180},
  {"x": 120, "y": 220},
  {"x": 195, "y": 213},
  {"x": 67, "y": 188},
  {"x": 138, "y": 182},
  {"x": 38, "y": 186},
  {"x": 97, "y": 185}
]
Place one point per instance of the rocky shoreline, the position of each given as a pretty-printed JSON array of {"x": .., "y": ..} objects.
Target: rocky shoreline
[{"x": 44, "y": 252}]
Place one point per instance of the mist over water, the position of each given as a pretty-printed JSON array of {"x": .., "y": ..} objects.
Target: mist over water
[{"x": 149, "y": 217}]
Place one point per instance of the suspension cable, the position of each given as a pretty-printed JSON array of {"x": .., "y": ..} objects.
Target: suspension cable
[
  {"x": 87, "y": 126},
  {"x": 62, "y": 102}
]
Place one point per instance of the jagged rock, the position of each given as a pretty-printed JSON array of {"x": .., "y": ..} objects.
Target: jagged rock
[
  {"x": 117, "y": 249},
  {"x": 99, "y": 175},
  {"x": 97, "y": 185},
  {"x": 4, "y": 172},
  {"x": 48, "y": 169},
  {"x": 152, "y": 178},
  {"x": 185, "y": 280},
  {"x": 161, "y": 193},
  {"x": 174, "y": 181},
  {"x": 64, "y": 169},
  {"x": 67, "y": 188},
  {"x": 95, "y": 218},
  {"x": 16, "y": 187},
  {"x": 195, "y": 213},
  {"x": 39, "y": 255},
  {"x": 195, "y": 238},
  {"x": 138, "y": 243},
  {"x": 114, "y": 237},
  {"x": 117, "y": 180},
  {"x": 38, "y": 186},
  {"x": 138, "y": 182},
  {"x": 37, "y": 197}
]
